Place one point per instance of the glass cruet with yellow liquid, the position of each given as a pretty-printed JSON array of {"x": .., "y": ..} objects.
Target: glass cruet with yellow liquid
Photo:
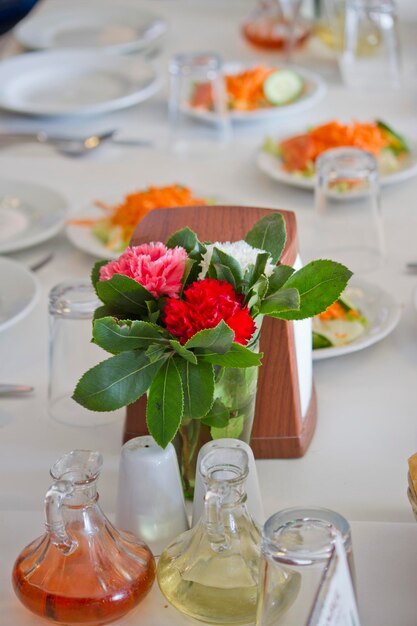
[
  {"x": 211, "y": 572},
  {"x": 82, "y": 570}
]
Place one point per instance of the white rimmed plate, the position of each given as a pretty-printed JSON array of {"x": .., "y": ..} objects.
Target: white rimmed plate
[
  {"x": 29, "y": 214},
  {"x": 19, "y": 291},
  {"x": 74, "y": 83},
  {"x": 380, "y": 308},
  {"x": 83, "y": 238},
  {"x": 272, "y": 166},
  {"x": 115, "y": 27},
  {"x": 315, "y": 89}
]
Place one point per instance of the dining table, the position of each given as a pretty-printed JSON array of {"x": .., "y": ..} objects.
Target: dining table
[{"x": 366, "y": 427}]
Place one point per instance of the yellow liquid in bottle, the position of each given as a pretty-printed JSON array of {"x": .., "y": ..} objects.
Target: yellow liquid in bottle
[
  {"x": 368, "y": 42},
  {"x": 218, "y": 603}
]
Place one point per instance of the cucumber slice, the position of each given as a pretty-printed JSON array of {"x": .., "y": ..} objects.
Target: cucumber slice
[
  {"x": 282, "y": 86},
  {"x": 320, "y": 342}
]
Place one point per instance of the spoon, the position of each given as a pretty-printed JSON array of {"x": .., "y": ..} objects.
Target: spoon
[
  {"x": 71, "y": 146},
  {"x": 11, "y": 390}
]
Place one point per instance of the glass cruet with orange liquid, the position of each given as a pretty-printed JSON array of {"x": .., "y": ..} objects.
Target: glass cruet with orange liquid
[
  {"x": 211, "y": 572},
  {"x": 82, "y": 570},
  {"x": 276, "y": 26}
]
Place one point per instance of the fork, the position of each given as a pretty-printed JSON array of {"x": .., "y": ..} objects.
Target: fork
[{"x": 71, "y": 146}]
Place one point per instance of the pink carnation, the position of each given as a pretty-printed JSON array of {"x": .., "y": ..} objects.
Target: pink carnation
[{"x": 157, "y": 268}]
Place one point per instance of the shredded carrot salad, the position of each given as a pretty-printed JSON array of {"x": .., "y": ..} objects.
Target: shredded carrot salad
[
  {"x": 337, "y": 311},
  {"x": 300, "y": 151},
  {"x": 121, "y": 220},
  {"x": 244, "y": 90}
]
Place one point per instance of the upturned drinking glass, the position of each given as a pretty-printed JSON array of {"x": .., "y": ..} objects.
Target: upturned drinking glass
[
  {"x": 211, "y": 572},
  {"x": 347, "y": 219},
  {"x": 81, "y": 570},
  {"x": 296, "y": 547}
]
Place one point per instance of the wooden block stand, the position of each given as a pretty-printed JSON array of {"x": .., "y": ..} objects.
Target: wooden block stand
[{"x": 280, "y": 431}]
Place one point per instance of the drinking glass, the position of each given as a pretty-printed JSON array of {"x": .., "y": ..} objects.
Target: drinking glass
[
  {"x": 198, "y": 114},
  {"x": 347, "y": 222},
  {"x": 71, "y": 353},
  {"x": 296, "y": 547},
  {"x": 366, "y": 40}
]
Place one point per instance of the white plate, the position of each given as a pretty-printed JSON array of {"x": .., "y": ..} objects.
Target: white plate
[
  {"x": 19, "y": 290},
  {"x": 115, "y": 27},
  {"x": 272, "y": 166},
  {"x": 315, "y": 90},
  {"x": 69, "y": 83},
  {"x": 82, "y": 237},
  {"x": 381, "y": 310},
  {"x": 29, "y": 214}
]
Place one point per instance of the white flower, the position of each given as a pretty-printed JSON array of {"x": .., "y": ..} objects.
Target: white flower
[{"x": 244, "y": 254}]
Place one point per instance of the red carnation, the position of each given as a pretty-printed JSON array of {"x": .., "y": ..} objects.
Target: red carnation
[{"x": 207, "y": 302}]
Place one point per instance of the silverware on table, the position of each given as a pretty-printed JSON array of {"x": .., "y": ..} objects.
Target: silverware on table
[
  {"x": 71, "y": 146},
  {"x": 14, "y": 390}
]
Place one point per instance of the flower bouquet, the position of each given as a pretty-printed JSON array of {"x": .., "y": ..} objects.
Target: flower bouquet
[{"x": 182, "y": 322}]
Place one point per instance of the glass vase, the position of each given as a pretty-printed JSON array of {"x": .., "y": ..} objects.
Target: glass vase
[{"x": 236, "y": 389}]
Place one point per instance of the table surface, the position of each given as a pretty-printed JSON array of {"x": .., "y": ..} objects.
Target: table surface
[{"x": 367, "y": 403}]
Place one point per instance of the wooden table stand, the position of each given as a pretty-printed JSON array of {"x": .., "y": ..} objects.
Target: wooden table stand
[{"x": 280, "y": 430}]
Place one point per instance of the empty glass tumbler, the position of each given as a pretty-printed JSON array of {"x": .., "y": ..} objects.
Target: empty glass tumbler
[
  {"x": 296, "y": 547},
  {"x": 198, "y": 113},
  {"x": 348, "y": 221},
  {"x": 211, "y": 572},
  {"x": 71, "y": 353}
]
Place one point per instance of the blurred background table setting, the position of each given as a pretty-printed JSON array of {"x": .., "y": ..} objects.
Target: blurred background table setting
[{"x": 113, "y": 109}]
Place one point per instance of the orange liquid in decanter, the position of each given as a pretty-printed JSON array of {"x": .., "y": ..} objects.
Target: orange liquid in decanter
[{"x": 95, "y": 584}]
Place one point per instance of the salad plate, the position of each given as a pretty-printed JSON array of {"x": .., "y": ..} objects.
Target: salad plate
[
  {"x": 89, "y": 231},
  {"x": 59, "y": 83},
  {"x": 116, "y": 27},
  {"x": 29, "y": 214},
  {"x": 395, "y": 166},
  {"x": 19, "y": 291},
  {"x": 312, "y": 90},
  {"x": 380, "y": 310}
]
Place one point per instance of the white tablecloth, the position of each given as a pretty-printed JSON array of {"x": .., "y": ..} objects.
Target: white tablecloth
[{"x": 367, "y": 421}]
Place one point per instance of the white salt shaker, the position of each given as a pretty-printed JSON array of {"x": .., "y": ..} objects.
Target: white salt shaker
[
  {"x": 254, "y": 500},
  {"x": 150, "y": 500}
]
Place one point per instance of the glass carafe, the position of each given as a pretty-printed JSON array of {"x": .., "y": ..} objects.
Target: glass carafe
[
  {"x": 211, "y": 572},
  {"x": 82, "y": 570}
]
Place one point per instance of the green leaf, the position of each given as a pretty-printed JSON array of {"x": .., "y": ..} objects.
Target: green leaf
[
  {"x": 104, "y": 311},
  {"x": 279, "y": 277},
  {"x": 281, "y": 302},
  {"x": 120, "y": 336},
  {"x": 95, "y": 272},
  {"x": 238, "y": 356},
  {"x": 319, "y": 284},
  {"x": 219, "y": 257},
  {"x": 221, "y": 272},
  {"x": 116, "y": 382},
  {"x": 123, "y": 293},
  {"x": 183, "y": 352},
  {"x": 218, "y": 339},
  {"x": 269, "y": 234},
  {"x": 198, "y": 387},
  {"x": 155, "y": 352},
  {"x": 185, "y": 238},
  {"x": 165, "y": 403},
  {"x": 257, "y": 293},
  {"x": 218, "y": 416},
  {"x": 233, "y": 429},
  {"x": 254, "y": 272}
]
